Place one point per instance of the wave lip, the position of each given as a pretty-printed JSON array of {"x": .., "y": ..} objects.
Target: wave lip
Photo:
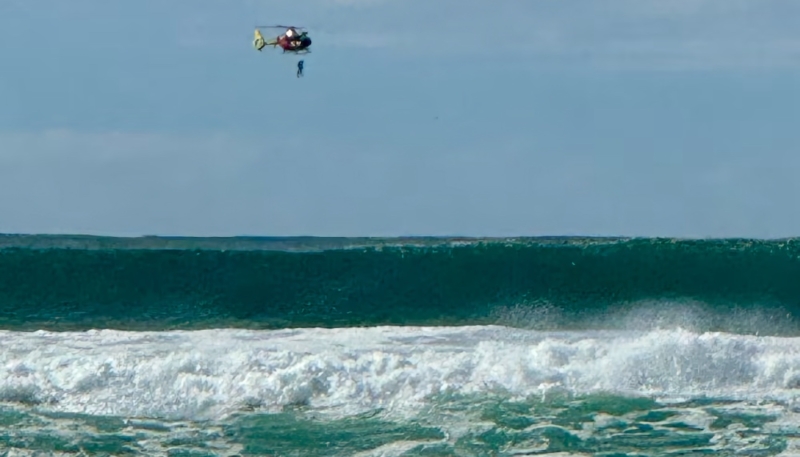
[{"x": 210, "y": 374}]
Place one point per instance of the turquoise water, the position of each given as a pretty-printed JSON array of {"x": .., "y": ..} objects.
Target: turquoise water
[{"x": 398, "y": 347}]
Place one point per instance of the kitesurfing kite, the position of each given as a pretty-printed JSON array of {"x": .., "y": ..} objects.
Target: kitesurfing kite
[{"x": 291, "y": 40}]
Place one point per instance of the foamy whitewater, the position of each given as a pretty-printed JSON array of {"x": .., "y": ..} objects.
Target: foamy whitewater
[
  {"x": 333, "y": 374},
  {"x": 210, "y": 374}
]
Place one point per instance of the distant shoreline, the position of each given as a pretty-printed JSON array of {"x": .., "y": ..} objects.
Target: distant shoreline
[{"x": 281, "y": 243}]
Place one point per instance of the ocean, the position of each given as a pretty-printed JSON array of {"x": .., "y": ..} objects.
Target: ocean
[{"x": 171, "y": 346}]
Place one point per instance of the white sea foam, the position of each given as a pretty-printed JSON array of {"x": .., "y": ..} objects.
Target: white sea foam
[{"x": 211, "y": 373}]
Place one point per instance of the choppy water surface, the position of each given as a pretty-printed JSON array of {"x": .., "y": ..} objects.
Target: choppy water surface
[
  {"x": 483, "y": 390},
  {"x": 425, "y": 347}
]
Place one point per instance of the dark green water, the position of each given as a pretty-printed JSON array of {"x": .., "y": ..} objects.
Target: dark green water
[{"x": 73, "y": 283}]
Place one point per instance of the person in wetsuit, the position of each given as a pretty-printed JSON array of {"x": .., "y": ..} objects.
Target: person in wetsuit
[{"x": 300, "y": 69}]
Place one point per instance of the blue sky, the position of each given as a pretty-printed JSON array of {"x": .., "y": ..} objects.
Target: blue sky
[{"x": 415, "y": 117}]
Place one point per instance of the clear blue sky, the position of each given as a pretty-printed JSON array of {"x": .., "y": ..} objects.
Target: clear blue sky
[{"x": 415, "y": 117}]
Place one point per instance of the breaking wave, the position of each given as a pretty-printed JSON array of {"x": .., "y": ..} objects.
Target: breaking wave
[
  {"x": 80, "y": 283},
  {"x": 210, "y": 374}
]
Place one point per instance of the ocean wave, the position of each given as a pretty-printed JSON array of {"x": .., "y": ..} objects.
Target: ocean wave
[
  {"x": 161, "y": 284},
  {"x": 209, "y": 374}
]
